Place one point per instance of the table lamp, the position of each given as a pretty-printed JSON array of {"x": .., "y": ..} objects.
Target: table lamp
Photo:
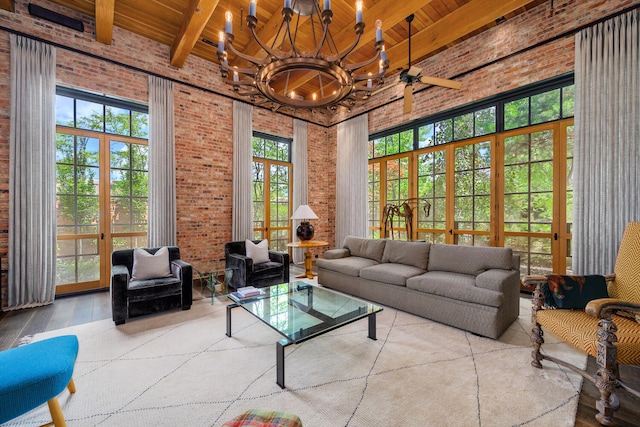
[{"x": 304, "y": 231}]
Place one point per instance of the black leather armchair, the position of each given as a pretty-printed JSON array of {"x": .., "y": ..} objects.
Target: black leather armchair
[
  {"x": 138, "y": 297},
  {"x": 245, "y": 273}
]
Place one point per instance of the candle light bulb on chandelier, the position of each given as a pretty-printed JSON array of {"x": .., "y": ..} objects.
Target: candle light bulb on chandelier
[
  {"x": 378, "y": 30},
  {"x": 252, "y": 8},
  {"x": 228, "y": 26},
  {"x": 358, "y": 11}
]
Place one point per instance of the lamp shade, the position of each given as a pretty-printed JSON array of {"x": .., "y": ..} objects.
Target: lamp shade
[{"x": 304, "y": 212}]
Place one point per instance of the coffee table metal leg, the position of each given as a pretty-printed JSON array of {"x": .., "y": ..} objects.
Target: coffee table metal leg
[
  {"x": 229, "y": 308},
  {"x": 372, "y": 326},
  {"x": 280, "y": 345}
]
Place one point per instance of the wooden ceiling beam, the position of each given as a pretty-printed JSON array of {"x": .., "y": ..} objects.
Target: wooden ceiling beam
[
  {"x": 104, "y": 10},
  {"x": 195, "y": 19},
  {"x": 464, "y": 20},
  {"x": 9, "y": 5}
]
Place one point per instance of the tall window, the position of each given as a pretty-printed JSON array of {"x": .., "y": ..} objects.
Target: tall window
[
  {"x": 497, "y": 173},
  {"x": 101, "y": 185},
  {"x": 272, "y": 172}
]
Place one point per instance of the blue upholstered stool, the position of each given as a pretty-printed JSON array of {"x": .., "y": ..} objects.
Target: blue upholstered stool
[{"x": 36, "y": 373}]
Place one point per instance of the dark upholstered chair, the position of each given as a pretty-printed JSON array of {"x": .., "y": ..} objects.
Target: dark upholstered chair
[
  {"x": 131, "y": 298},
  {"x": 246, "y": 273},
  {"x": 608, "y": 328}
]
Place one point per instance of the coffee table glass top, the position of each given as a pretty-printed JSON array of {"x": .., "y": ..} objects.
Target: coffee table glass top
[{"x": 300, "y": 310}]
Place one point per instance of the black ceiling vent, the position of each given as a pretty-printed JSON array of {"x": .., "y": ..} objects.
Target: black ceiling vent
[{"x": 56, "y": 17}]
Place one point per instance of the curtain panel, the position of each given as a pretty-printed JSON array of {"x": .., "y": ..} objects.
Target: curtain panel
[
  {"x": 351, "y": 178},
  {"x": 607, "y": 139},
  {"x": 242, "y": 219},
  {"x": 32, "y": 174},
  {"x": 162, "y": 169},
  {"x": 300, "y": 177}
]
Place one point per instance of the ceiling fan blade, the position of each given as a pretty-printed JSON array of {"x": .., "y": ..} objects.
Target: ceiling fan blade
[
  {"x": 408, "y": 98},
  {"x": 383, "y": 88},
  {"x": 414, "y": 71},
  {"x": 436, "y": 81}
]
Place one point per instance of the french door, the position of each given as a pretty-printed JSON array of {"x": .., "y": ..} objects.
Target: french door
[
  {"x": 101, "y": 186},
  {"x": 271, "y": 207}
]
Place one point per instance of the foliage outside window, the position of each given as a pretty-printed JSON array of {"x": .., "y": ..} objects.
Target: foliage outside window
[
  {"x": 475, "y": 197},
  {"x": 81, "y": 143},
  {"x": 271, "y": 188}
]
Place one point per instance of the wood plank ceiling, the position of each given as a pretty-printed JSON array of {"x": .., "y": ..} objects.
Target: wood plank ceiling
[{"x": 191, "y": 27}]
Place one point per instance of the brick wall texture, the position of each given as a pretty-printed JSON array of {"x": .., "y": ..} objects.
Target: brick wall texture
[{"x": 203, "y": 104}]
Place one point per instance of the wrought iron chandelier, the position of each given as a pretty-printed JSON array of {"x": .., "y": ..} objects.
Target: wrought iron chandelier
[{"x": 302, "y": 67}]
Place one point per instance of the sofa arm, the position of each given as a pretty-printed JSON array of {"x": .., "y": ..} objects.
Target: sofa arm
[
  {"x": 184, "y": 272},
  {"x": 119, "y": 283},
  {"x": 602, "y": 308},
  {"x": 497, "y": 279},
  {"x": 336, "y": 253},
  {"x": 281, "y": 257},
  {"x": 242, "y": 269}
]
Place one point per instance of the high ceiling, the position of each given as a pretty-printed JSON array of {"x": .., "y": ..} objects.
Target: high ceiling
[{"x": 186, "y": 25}]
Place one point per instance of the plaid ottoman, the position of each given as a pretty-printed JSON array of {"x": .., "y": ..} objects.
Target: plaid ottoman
[{"x": 259, "y": 418}]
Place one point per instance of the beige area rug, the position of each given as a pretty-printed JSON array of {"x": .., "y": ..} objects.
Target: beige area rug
[{"x": 179, "y": 369}]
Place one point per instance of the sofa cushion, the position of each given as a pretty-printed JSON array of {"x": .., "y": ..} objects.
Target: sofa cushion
[
  {"x": 365, "y": 248},
  {"x": 455, "y": 286},
  {"x": 350, "y": 265},
  {"x": 471, "y": 260},
  {"x": 409, "y": 253},
  {"x": 390, "y": 273}
]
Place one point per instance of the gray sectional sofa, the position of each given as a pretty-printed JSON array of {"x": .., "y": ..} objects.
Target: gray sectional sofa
[{"x": 472, "y": 288}]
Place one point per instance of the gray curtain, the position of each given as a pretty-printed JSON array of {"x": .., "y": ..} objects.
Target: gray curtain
[
  {"x": 242, "y": 220},
  {"x": 32, "y": 174},
  {"x": 162, "y": 170},
  {"x": 300, "y": 177},
  {"x": 351, "y": 178},
  {"x": 607, "y": 138}
]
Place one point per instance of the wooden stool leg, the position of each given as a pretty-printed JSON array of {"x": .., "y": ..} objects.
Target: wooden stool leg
[
  {"x": 56, "y": 413},
  {"x": 71, "y": 386}
]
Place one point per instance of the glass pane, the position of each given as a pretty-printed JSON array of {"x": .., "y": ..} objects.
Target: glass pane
[
  {"x": 516, "y": 149},
  {"x": 485, "y": 121},
  {"x": 426, "y": 135},
  {"x": 516, "y": 113},
  {"x": 119, "y": 155},
  {"x": 88, "y": 209},
  {"x": 140, "y": 156},
  {"x": 88, "y": 268},
  {"x": 568, "y": 101},
  {"x": 139, "y": 124},
  {"x": 463, "y": 126},
  {"x": 118, "y": 121},
  {"x": 140, "y": 207},
  {"x": 379, "y": 148},
  {"x": 545, "y": 107},
  {"x": 64, "y": 111},
  {"x": 392, "y": 143},
  {"x": 87, "y": 180},
  {"x": 406, "y": 141},
  {"x": 444, "y": 131},
  {"x": 139, "y": 184},
  {"x": 65, "y": 270},
  {"x": 87, "y": 151},
  {"x": 89, "y": 115}
]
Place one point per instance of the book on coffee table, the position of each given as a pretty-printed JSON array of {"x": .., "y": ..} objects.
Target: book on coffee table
[{"x": 247, "y": 292}]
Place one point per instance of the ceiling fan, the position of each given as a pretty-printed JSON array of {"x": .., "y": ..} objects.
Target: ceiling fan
[{"x": 412, "y": 75}]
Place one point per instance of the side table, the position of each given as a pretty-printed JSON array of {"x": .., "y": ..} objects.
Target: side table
[{"x": 308, "y": 260}]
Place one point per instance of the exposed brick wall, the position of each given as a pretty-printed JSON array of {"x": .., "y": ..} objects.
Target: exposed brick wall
[{"x": 203, "y": 106}]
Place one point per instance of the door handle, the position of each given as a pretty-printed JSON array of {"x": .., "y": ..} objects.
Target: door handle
[
  {"x": 555, "y": 236},
  {"x": 101, "y": 236}
]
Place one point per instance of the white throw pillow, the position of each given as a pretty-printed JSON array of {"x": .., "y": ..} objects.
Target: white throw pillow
[
  {"x": 258, "y": 253},
  {"x": 148, "y": 266}
]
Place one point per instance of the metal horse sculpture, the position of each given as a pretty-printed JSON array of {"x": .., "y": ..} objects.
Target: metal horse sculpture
[{"x": 404, "y": 210}]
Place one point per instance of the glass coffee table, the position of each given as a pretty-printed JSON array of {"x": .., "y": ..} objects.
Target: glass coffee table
[{"x": 300, "y": 311}]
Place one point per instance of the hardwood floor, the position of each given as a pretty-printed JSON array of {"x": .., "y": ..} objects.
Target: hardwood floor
[{"x": 89, "y": 307}]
